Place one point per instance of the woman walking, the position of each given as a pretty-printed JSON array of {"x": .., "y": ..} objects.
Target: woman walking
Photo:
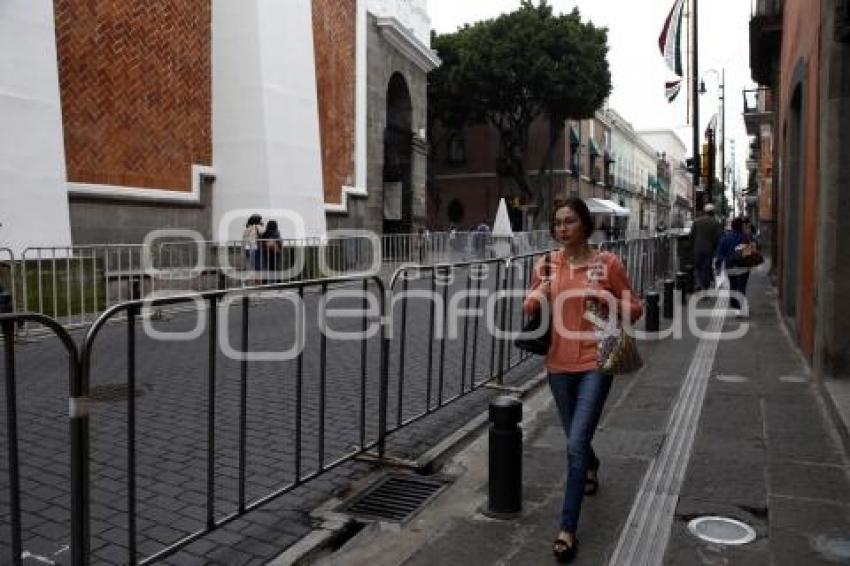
[
  {"x": 729, "y": 256},
  {"x": 584, "y": 279}
]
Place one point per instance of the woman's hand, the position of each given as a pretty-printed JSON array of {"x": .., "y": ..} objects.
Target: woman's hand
[{"x": 544, "y": 291}]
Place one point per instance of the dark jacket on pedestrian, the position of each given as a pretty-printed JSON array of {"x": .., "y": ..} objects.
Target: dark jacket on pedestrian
[
  {"x": 725, "y": 253},
  {"x": 705, "y": 235}
]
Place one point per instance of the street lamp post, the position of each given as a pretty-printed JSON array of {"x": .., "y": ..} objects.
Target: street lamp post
[
  {"x": 695, "y": 86},
  {"x": 722, "y": 98}
]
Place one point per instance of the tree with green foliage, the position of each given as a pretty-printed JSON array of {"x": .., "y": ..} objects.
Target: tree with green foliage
[{"x": 509, "y": 71}]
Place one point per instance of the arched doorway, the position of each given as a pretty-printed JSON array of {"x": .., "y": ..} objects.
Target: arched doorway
[{"x": 398, "y": 153}]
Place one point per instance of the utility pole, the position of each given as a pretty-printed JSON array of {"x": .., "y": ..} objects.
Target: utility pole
[
  {"x": 723, "y": 127},
  {"x": 695, "y": 86},
  {"x": 734, "y": 181}
]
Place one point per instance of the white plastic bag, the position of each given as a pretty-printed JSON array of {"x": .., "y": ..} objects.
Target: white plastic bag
[{"x": 721, "y": 280}]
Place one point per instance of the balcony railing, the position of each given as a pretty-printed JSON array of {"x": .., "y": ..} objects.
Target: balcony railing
[
  {"x": 765, "y": 39},
  {"x": 759, "y": 106},
  {"x": 758, "y": 100}
]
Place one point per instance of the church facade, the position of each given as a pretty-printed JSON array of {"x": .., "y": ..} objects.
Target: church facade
[{"x": 127, "y": 117}]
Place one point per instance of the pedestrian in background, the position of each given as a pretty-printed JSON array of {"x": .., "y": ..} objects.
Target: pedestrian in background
[
  {"x": 270, "y": 247},
  {"x": 577, "y": 385},
  {"x": 705, "y": 235},
  {"x": 730, "y": 257},
  {"x": 482, "y": 237},
  {"x": 250, "y": 241}
]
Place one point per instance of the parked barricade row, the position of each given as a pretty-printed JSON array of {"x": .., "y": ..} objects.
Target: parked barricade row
[{"x": 339, "y": 391}]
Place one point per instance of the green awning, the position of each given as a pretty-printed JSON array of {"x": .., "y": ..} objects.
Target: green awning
[{"x": 594, "y": 148}]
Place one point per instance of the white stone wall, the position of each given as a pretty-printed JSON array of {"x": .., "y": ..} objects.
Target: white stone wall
[
  {"x": 412, "y": 14},
  {"x": 266, "y": 140},
  {"x": 33, "y": 194}
]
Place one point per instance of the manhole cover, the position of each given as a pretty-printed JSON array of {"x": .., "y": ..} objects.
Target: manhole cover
[
  {"x": 395, "y": 497},
  {"x": 722, "y": 530}
]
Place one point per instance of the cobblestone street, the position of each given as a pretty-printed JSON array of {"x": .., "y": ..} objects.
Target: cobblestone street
[{"x": 171, "y": 434}]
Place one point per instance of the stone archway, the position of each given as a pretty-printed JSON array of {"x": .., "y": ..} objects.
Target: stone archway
[{"x": 398, "y": 158}]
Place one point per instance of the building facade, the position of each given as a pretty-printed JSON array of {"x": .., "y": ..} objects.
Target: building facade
[
  {"x": 637, "y": 184},
  {"x": 800, "y": 55},
  {"x": 192, "y": 115},
  {"x": 680, "y": 197},
  {"x": 467, "y": 184}
]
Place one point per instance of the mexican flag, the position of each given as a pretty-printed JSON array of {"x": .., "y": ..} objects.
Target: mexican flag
[
  {"x": 672, "y": 89},
  {"x": 670, "y": 41}
]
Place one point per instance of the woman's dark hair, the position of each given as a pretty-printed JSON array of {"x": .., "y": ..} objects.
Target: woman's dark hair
[
  {"x": 580, "y": 208},
  {"x": 253, "y": 220},
  {"x": 737, "y": 224},
  {"x": 272, "y": 232}
]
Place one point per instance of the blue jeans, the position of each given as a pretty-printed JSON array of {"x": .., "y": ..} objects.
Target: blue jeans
[
  {"x": 738, "y": 283},
  {"x": 580, "y": 398}
]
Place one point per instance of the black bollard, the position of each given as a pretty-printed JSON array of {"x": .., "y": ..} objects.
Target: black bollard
[
  {"x": 505, "y": 486},
  {"x": 690, "y": 281},
  {"x": 669, "y": 285},
  {"x": 5, "y": 302},
  {"x": 682, "y": 285},
  {"x": 652, "y": 322}
]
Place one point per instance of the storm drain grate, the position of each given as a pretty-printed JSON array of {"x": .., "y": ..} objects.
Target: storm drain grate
[{"x": 395, "y": 497}]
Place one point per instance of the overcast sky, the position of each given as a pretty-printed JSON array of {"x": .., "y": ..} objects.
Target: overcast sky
[{"x": 637, "y": 69}]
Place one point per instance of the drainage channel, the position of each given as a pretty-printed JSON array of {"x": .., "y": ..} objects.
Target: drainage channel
[
  {"x": 647, "y": 531},
  {"x": 394, "y": 498}
]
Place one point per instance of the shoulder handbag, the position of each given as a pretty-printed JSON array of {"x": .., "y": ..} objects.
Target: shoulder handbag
[
  {"x": 539, "y": 345},
  {"x": 616, "y": 349},
  {"x": 747, "y": 255},
  {"x": 617, "y": 353}
]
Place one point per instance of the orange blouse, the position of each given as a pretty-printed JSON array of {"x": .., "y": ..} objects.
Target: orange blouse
[{"x": 568, "y": 354}]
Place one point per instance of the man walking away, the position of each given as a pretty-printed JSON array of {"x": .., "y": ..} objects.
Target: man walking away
[{"x": 705, "y": 235}]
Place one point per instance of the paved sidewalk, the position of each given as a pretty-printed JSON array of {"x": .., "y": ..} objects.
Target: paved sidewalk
[{"x": 737, "y": 429}]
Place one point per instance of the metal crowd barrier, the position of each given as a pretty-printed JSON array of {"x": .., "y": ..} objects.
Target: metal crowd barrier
[
  {"x": 457, "y": 365},
  {"x": 76, "y": 436},
  {"x": 9, "y": 276},
  {"x": 474, "y": 282},
  {"x": 213, "y": 303},
  {"x": 74, "y": 284}
]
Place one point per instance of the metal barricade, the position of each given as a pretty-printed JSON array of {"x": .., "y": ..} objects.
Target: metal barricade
[
  {"x": 372, "y": 396},
  {"x": 76, "y": 436},
  {"x": 73, "y": 284},
  {"x": 466, "y": 287},
  {"x": 309, "y": 402},
  {"x": 9, "y": 276}
]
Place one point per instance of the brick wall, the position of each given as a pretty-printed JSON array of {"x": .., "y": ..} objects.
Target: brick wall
[
  {"x": 334, "y": 37},
  {"x": 136, "y": 90}
]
